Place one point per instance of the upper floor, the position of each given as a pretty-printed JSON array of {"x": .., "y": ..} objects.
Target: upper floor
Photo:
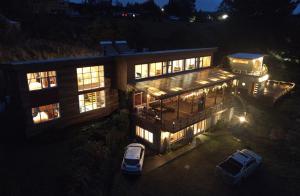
[{"x": 248, "y": 64}]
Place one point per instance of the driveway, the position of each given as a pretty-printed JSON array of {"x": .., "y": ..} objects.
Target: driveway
[{"x": 193, "y": 174}]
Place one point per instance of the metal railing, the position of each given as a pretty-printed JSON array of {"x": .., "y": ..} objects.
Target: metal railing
[
  {"x": 264, "y": 71},
  {"x": 182, "y": 122}
]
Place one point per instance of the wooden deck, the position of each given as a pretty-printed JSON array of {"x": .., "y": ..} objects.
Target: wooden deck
[{"x": 172, "y": 119}]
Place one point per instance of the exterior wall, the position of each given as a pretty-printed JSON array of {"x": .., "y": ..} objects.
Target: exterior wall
[
  {"x": 66, "y": 94},
  {"x": 253, "y": 65},
  {"x": 119, "y": 72},
  {"x": 250, "y": 82},
  {"x": 225, "y": 115},
  {"x": 133, "y": 60}
]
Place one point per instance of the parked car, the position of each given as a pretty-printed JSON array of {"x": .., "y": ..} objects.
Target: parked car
[
  {"x": 133, "y": 158},
  {"x": 238, "y": 166}
]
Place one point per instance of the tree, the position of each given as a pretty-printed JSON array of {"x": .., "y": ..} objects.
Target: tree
[
  {"x": 259, "y": 10},
  {"x": 180, "y": 8}
]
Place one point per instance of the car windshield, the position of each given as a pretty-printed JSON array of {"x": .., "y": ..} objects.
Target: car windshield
[
  {"x": 131, "y": 161},
  {"x": 232, "y": 166}
]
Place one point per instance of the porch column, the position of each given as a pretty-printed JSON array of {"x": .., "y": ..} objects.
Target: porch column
[
  {"x": 161, "y": 113},
  {"x": 223, "y": 94},
  {"x": 216, "y": 95},
  {"x": 133, "y": 99},
  {"x": 177, "y": 107},
  {"x": 147, "y": 101},
  {"x": 192, "y": 103}
]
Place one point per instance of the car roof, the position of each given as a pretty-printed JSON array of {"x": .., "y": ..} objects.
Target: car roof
[
  {"x": 241, "y": 157},
  {"x": 133, "y": 152}
]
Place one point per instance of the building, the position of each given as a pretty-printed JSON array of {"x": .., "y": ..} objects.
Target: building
[
  {"x": 173, "y": 95},
  {"x": 254, "y": 78},
  {"x": 252, "y": 71}
]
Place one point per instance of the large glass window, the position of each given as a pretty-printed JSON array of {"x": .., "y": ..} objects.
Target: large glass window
[
  {"x": 156, "y": 69},
  {"x": 177, "y": 136},
  {"x": 41, "y": 80},
  {"x": 205, "y": 61},
  {"x": 177, "y": 66},
  {"x": 45, "y": 113},
  {"x": 90, "y": 77},
  {"x": 141, "y": 71},
  {"x": 91, "y": 101},
  {"x": 144, "y": 134},
  {"x": 190, "y": 64}
]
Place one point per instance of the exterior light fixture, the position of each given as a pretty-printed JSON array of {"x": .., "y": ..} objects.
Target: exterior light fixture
[
  {"x": 243, "y": 84},
  {"x": 162, "y": 9},
  {"x": 242, "y": 119}
]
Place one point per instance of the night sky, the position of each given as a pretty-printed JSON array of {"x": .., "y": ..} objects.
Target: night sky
[{"x": 207, "y": 5}]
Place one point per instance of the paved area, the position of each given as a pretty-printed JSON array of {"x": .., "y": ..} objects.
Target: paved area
[{"x": 156, "y": 161}]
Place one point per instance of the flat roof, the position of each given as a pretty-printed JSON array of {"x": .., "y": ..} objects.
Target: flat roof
[
  {"x": 175, "y": 85},
  {"x": 246, "y": 55},
  {"x": 72, "y": 60}
]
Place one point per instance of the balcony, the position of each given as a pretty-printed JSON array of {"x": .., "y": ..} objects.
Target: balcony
[
  {"x": 258, "y": 73},
  {"x": 173, "y": 116}
]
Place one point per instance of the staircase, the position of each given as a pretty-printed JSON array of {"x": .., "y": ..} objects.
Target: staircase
[{"x": 256, "y": 88}]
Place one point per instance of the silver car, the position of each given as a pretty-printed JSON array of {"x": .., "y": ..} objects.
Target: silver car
[
  {"x": 238, "y": 166},
  {"x": 133, "y": 158}
]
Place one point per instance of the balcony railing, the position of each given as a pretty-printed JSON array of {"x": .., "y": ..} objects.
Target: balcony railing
[
  {"x": 181, "y": 123},
  {"x": 262, "y": 72}
]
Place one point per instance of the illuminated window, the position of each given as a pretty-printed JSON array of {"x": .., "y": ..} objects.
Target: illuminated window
[
  {"x": 177, "y": 136},
  {"x": 205, "y": 61},
  {"x": 41, "y": 80},
  {"x": 190, "y": 63},
  {"x": 45, "y": 113},
  {"x": 90, "y": 77},
  {"x": 240, "y": 61},
  {"x": 144, "y": 134},
  {"x": 177, "y": 66},
  {"x": 91, "y": 101},
  {"x": 200, "y": 126},
  {"x": 141, "y": 71},
  {"x": 156, "y": 69}
]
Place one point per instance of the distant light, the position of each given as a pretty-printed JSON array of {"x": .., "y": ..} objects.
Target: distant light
[
  {"x": 242, "y": 119},
  {"x": 224, "y": 16},
  {"x": 133, "y": 15},
  {"x": 162, "y": 9},
  {"x": 243, "y": 84}
]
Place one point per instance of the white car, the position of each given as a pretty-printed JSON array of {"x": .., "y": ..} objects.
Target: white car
[
  {"x": 238, "y": 166},
  {"x": 133, "y": 158}
]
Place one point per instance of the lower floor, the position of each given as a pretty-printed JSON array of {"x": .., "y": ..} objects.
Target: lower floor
[{"x": 163, "y": 141}]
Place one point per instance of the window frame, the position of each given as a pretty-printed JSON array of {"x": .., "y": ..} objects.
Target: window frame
[
  {"x": 142, "y": 65},
  {"x": 49, "y": 75},
  {"x": 82, "y": 101},
  {"x": 57, "y": 107},
  {"x": 82, "y": 75}
]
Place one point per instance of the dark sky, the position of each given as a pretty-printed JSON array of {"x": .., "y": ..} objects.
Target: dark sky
[{"x": 207, "y": 5}]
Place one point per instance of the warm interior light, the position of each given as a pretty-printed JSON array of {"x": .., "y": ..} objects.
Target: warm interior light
[{"x": 242, "y": 119}]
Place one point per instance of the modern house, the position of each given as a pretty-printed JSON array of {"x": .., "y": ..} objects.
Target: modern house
[
  {"x": 254, "y": 78},
  {"x": 173, "y": 95},
  {"x": 252, "y": 71}
]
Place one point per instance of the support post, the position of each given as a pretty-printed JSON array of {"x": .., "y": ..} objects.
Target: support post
[
  {"x": 192, "y": 110},
  {"x": 216, "y": 94},
  {"x": 223, "y": 94},
  {"x": 177, "y": 107},
  {"x": 161, "y": 113}
]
